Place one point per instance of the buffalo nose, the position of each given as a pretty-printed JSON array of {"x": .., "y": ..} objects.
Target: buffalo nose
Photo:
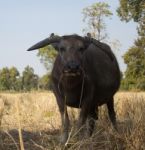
[{"x": 73, "y": 65}]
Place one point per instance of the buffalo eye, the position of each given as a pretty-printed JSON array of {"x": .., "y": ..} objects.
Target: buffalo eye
[
  {"x": 81, "y": 49},
  {"x": 62, "y": 49}
]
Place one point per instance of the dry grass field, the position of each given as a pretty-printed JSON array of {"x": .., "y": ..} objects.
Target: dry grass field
[{"x": 31, "y": 121}]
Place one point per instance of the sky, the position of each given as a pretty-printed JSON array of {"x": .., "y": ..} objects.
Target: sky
[{"x": 24, "y": 23}]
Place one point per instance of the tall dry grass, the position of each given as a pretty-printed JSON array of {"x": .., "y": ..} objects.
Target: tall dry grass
[{"x": 31, "y": 121}]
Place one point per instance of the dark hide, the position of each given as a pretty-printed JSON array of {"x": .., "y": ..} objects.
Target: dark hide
[{"x": 85, "y": 75}]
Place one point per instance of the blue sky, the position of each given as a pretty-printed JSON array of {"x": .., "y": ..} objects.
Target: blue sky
[{"x": 23, "y": 23}]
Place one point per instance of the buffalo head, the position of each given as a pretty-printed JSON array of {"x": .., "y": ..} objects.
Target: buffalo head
[{"x": 70, "y": 49}]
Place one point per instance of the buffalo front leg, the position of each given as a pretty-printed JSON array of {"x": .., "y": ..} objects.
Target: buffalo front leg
[
  {"x": 81, "y": 124},
  {"x": 111, "y": 112},
  {"x": 88, "y": 114},
  {"x": 65, "y": 126},
  {"x": 88, "y": 117},
  {"x": 63, "y": 113}
]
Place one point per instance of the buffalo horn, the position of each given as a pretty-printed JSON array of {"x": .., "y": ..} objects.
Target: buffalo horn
[{"x": 47, "y": 41}]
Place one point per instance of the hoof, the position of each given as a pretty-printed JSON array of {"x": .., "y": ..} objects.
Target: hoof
[{"x": 63, "y": 138}]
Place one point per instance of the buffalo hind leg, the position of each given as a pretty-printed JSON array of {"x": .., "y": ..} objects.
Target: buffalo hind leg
[{"x": 111, "y": 112}]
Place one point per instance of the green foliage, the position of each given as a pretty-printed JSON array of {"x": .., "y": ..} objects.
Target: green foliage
[
  {"x": 135, "y": 60},
  {"x": 47, "y": 56},
  {"x": 14, "y": 75},
  {"x": 11, "y": 80},
  {"x": 135, "y": 56},
  {"x": 131, "y": 9},
  {"x": 29, "y": 79},
  {"x": 4, "y": 79},
  {"x": 45, "y": 82},
  {"x": 94, "y": 15}
]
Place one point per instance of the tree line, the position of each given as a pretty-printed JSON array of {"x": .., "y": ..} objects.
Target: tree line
[{"x": 12, "y": 80}]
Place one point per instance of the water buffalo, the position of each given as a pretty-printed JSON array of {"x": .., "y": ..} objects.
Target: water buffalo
[{"x": 85, "y": 75}]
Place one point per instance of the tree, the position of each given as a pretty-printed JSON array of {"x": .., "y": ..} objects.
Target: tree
[
  {"x": 94, "y": 15},
  {"x": 14, "y": 78},
  {"x": 135, "y": 60},
  {"x": 47, "y": 56},
  {"x": 4, "y": 79},
  {"x": 135, "y": 56},
  {"x": 131, "y": 9},
  {"x": 45, "y": 82},
  {"x": 29, "y": 79},
  {"x": 10, "y": 79}
]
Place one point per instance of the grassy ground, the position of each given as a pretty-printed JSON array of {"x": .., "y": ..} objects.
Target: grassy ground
[{"x": 31, "y": 121}]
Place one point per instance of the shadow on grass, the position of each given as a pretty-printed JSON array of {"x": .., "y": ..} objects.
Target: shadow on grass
[
  {"x": 46, "y": 140},
  {"x": 104, "y": 137}
]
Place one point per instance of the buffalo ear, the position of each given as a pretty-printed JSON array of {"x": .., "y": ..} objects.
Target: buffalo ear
[
  {"x": 55, "y": 45},
  {"x": 89, "y": 35},
  {"x": 87, "y": 40},
  {"x": 87, "y": 43}
]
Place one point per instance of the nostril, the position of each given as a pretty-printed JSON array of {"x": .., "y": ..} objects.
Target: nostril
[
  {"x": 77, "y": 66},
  {"x": 74, "y": 66}
]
